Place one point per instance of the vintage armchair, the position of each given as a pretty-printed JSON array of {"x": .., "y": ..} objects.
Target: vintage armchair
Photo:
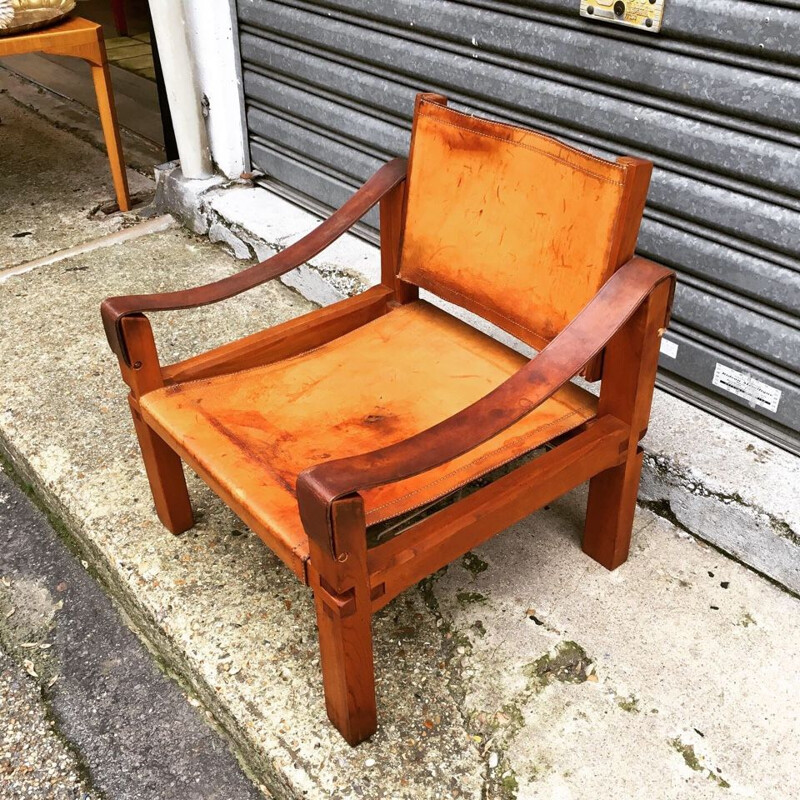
[{"x": 384, "y": 403}]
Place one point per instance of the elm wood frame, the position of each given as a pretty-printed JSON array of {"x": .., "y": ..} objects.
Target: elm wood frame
[{"x": 350, "y": 582}]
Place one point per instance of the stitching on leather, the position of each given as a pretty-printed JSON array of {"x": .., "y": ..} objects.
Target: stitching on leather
[
  {"x": 616, "y": 233},
  {"x": 528, "y": 146},
  {"x": 580, "y": 412},
  {"x": 507, "y": 125},
  {"x": 447, "y": 288}
]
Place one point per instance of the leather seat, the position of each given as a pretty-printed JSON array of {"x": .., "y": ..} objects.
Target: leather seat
[{"x": 253, "y": 432}]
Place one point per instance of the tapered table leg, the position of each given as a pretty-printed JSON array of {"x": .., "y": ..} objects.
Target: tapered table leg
[{"x": 108, "y": 119}]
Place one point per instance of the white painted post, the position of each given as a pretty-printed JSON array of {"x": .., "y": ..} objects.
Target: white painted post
[
  {"x": 214, "y": 40},
  {"x": 183, "y": 90}
]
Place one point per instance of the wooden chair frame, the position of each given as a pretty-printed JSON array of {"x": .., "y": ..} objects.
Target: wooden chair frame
[{"x": 623, "y": 324}]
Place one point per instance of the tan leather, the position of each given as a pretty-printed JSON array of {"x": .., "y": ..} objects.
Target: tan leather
[
  {"x": 255, "y": 431},
  {"x": 514, "y": 225}
]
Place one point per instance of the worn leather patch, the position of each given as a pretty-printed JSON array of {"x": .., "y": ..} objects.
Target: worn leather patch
[{"x": 511, "y": 224}]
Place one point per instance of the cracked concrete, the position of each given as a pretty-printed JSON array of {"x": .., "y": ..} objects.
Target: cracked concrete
[
  {"x": 724, "y": 501},
  {"x": 34, "y": 224},
  {"x": 684, "y": 663},
  {"x": 253, "y": 223}
]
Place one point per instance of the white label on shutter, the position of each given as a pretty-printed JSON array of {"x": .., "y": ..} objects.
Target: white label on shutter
[
  {"x": 669, "y": 348},
  {"x": 756, "y": 392}
]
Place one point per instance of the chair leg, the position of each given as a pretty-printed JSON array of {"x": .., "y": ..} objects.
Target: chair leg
[
  {"x": 339, "y": 575},
  {"x": 166, "y": 478},
  {"x": 120, "y": 18},
  {"x": 610, "y": 510},
  {"x": 629, "y": 373},
  {"x": 345, "y": 643}
]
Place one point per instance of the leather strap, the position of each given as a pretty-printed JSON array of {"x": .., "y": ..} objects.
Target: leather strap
[
  {"x": 563, "y": 358},
  {"x": 115, "y": 308}
]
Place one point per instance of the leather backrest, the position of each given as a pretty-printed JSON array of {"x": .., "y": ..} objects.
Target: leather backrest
[{"x": 512, "y": 224}]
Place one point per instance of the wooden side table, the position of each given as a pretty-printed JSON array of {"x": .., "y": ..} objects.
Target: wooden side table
[{"x": 82, "y": 38}]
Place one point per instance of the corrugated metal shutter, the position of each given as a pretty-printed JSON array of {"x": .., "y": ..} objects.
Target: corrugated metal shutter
[{"x": 713, "y": 100}]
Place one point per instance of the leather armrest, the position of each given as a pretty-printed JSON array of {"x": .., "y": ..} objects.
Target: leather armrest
[
  {"x": 114, "y": 309},
  {"x": 563, "y": 358}
]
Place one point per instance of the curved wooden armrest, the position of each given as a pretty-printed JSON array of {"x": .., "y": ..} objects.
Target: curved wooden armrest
[
  {"x": 115, "y": 308},
  {"x": 591, "y": 330}
]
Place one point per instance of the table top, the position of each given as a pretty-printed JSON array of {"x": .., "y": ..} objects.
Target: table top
[{"x": 76, "y": 30}]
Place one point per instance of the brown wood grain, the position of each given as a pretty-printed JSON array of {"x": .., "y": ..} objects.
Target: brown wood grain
[
  {"x": 441, "y": 538},
  {"x": 162, "y": 464},
  {"x": 627, "y": 393},
  {"x": 345, "y": 637}
]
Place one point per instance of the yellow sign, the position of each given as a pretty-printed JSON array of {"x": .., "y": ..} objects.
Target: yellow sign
[{"x": 643, "y": 14}]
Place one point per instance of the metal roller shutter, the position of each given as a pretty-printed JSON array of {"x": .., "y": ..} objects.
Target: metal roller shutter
[{"x": 713, "y": 100}]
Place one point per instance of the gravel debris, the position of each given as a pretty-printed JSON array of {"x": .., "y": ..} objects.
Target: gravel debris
[{"x": 34, "y": 762}]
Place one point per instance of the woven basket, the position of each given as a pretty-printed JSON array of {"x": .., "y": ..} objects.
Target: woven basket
[{"x": 32, "y": 14}]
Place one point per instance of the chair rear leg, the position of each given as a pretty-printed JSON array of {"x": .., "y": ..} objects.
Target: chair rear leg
[
  {"x": 345, "y": 642},
  {"x": 610, "y": 511},
  {"x": 165, "y": 475}
]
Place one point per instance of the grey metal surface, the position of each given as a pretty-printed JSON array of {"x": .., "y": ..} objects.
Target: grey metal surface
[{"x": 713, "y": 100}]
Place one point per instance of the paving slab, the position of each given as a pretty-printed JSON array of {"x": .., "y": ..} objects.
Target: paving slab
[
  {"x": 524, "y": 670},
  {"x": 52, "y": 186}
]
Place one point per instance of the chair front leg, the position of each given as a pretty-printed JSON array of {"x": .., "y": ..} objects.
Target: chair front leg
[
  {"x": 344, "y": 614},
  {"x": 161, "y": 462},
  {"x": 629, "y": 373},
  {"x": 165, "y": 476}
]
